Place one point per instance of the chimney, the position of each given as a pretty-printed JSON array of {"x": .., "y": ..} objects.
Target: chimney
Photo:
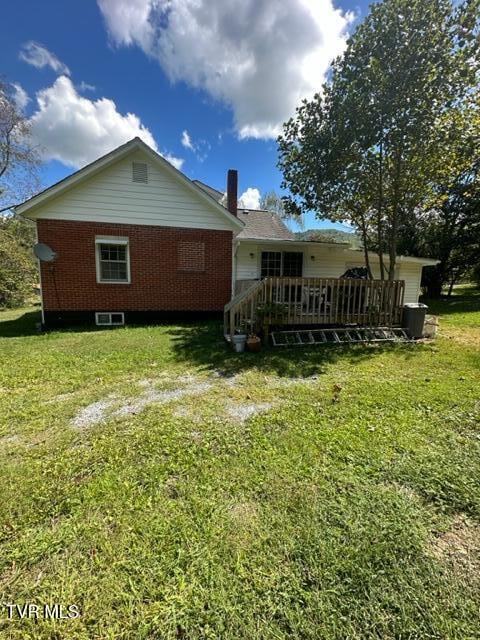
[{"x": 232, "y": 191}]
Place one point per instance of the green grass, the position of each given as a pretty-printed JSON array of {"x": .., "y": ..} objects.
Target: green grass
[{"x": 348, "y": 509}]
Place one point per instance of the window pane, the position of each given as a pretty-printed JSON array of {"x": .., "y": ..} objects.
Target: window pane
[
  {"x": 113, "y": 270},
  {"x": 292, "y": 264},
  {"x": 271, "y": 263},
  {"x": 113, "y": 262},
  {"x": 113, "y": 252}
]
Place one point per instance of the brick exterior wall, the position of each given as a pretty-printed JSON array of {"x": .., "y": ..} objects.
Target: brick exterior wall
[{"x": 156, "y": 281}]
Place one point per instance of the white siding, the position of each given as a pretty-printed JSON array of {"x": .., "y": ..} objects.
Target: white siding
[
  {"x": 112, "y": 196},
  {"x": 247, "y": 267},
  {"x": 412, "y": 274},
  {"x": 328, "y": 263}
]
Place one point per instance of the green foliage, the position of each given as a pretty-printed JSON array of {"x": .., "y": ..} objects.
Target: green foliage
[
  {"x": 271, "y": 201},
  {"x": 19, "y": 161},
  {"x": 19, "y": 158},
  {"x": 330, "y": 235},
  {"x": 332, "y": 515},
  {"x": 371, "y": 149},
  {"x": 449, "y": 229},
  {"x": 18, "y": 269}
]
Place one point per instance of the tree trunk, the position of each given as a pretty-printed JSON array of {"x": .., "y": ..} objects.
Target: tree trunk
[
  {"x": 380, "y": 210},
  {"x": 363, "y": 228},
  {"x": 393, "y": 236}
]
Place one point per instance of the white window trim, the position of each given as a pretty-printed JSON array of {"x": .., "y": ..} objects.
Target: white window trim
[
  {"x": 111, "y": 240},
  {"x": 109, "y": 324}
]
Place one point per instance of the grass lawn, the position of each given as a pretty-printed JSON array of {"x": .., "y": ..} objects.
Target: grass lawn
[{"x": 172, "y": 489}]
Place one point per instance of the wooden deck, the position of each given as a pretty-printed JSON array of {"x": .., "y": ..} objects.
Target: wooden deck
[{"x": 314, "y": 301}]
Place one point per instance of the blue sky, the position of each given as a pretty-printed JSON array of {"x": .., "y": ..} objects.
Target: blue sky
[{"x": 207, "y": 82}]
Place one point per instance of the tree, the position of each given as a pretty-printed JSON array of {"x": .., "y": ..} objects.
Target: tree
[
  {"x": 19, "y": 163},
  {"x": 449, "y": 227},
  {"x": 368, "y": 149},
  {"x": 19, "y": 158},
  {"x": 271, "y": 201},
  {"x": 18, "y": 271}
]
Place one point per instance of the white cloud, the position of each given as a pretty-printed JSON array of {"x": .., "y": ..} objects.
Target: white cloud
[
  {"x": 39, "y": 56},
  {"x": 250, "y": 199},
  {"x": 260, "y": 57},
  {"x": 20, "y": 96},
  {"x": 75, "y": 130},
  {"x": 84, "y": 86},
  {"x": 177, "y": 162},
  {"x": 187, "y": 141},
  {"x": 199, "y": 148}
]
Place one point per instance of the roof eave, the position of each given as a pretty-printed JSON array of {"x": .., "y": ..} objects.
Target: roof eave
[{"x": 293, "y": 241}]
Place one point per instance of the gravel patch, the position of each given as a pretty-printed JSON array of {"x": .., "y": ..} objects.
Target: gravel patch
[
  {"x": 183, "y": 386},
  {"x": 92, "y": 414},
  {"x": 161, "y": 397},
  {"x": 241, "y": 412},
  {"x": 116, "y": 407}
]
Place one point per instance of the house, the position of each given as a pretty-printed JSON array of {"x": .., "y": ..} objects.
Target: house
[{"x": 135, "y": 240}]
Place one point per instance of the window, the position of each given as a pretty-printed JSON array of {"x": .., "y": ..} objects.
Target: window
[
  {"x": 191, "y": 256},
  {"x": 112, "y": 258},
  {"x": 140, "y": 172},
  {"x": 109, "y": 318},
  {"x": 271, "y": 263},
  {"x": 277, "y": 263}
]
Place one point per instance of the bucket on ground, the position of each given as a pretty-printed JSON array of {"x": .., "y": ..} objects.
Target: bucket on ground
[{"x": 238, "y": 341}]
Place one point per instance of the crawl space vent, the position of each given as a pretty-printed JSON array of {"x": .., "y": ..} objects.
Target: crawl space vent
[{"x": 109, "y": 318}]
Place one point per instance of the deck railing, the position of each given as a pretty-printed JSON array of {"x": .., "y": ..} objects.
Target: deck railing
[{"x": 315, "y": 301}]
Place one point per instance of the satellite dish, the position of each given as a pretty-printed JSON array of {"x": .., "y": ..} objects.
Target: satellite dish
[{"x": 44, "y": 252}]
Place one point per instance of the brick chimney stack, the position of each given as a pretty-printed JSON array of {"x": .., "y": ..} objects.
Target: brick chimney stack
[{"x": 232, "y": 191}]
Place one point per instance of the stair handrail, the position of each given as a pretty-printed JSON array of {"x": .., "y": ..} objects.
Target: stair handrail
[
  {"x": 231, "y": 306},
  {"x": 256, "y": 284}
]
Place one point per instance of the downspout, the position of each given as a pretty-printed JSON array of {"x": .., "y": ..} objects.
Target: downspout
[{"x": 235, "y": 245}]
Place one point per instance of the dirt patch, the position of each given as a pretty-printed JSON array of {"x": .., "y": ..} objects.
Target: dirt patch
[
  {"x": 62, "y": 397},
  {"x": 468, "y": 337},
  {"x": 459, "y": 546},
  {"x": 9, "y": 441},
  {"x": 244, "y": 513}
]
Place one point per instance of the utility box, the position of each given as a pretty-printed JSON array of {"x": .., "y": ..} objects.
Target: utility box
[{"x": 414, "y": 318}]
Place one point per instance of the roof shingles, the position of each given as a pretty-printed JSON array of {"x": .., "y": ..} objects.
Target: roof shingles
[{"x": 264, "y": 225}]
